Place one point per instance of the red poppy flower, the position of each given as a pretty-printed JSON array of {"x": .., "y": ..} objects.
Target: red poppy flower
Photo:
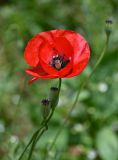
[{"x": 56, "y": 54}]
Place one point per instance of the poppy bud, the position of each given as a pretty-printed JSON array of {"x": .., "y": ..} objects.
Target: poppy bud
[
  {"x": 108, "y": 26},
  {"x": 45, "y": 108},
  {"x": 54, "y": 96}
]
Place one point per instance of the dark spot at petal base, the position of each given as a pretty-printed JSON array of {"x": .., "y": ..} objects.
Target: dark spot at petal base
[{"x": 59, "y": 62}]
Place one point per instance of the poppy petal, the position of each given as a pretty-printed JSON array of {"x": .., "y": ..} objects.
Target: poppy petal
[
  {"x": 83, "y": 60},
  {"x": 49, "y": 69},
  {"x": 46, "y": 53},
  {"x": 32, "y": 51},
  {"x": 63, "y": 47},
  {"x": 48, "y": 37},
  {"x": 39, "y": 75},
  {"x": 32, "y": 80},
  {"x": 63, "y": 72},
  {"x": 57, "y": 32},
  {"x": 45, "y": 57},
  {"x": 38, "y": 70},
  {"x": 78, "y": 43}
]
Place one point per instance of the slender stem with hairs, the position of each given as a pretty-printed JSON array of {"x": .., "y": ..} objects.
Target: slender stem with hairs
[{"x": 36, "y": 136}]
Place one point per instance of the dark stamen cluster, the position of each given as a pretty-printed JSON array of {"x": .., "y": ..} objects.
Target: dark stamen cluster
[{"x": 59, "y": 62}]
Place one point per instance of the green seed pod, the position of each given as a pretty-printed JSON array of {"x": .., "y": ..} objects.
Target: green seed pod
[
  {"x": 54, "y": 96},
  {"x": 45, "y": 108}
]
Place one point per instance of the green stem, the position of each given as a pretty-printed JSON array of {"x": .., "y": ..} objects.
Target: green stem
[
  {"x": 79, "y": 91},
  {"x": 36, "y": 136},
  {"x": 35, "y": 141},
  {"x": 45, "y": 126},
  {"x": 32, "y": 147},
  {"x": 29, "y": 144},
  {"x": 60, "y": 82},
  {"x": 48, "y": 119}
]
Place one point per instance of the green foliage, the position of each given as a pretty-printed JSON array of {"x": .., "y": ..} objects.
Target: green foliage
[
  {"x": 107, "y": 144},
  {"x": 91, "y": 133}
]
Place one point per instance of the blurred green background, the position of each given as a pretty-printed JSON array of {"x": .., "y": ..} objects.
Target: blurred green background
[{"x": 91, "y": 133}]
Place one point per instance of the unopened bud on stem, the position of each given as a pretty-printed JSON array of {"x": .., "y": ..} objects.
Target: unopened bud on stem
[
  {"x": 54, "y": 96},
  {"x": 108, "y": 26},
  {"x": 45, "y": 108}
]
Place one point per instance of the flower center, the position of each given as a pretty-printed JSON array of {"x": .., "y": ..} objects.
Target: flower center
[{"x": 59, "y": 62}]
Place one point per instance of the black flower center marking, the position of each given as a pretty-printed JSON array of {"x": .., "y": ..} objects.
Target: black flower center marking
[{"x": 59, "y": 62}]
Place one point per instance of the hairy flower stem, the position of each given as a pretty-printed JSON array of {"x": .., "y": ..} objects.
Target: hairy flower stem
[
  {"x": 44, "y": 126},
  {"x": 31, "y": 140},
  {"x": 35, "y": 141},
  {"x": 83, "y": 84}
]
